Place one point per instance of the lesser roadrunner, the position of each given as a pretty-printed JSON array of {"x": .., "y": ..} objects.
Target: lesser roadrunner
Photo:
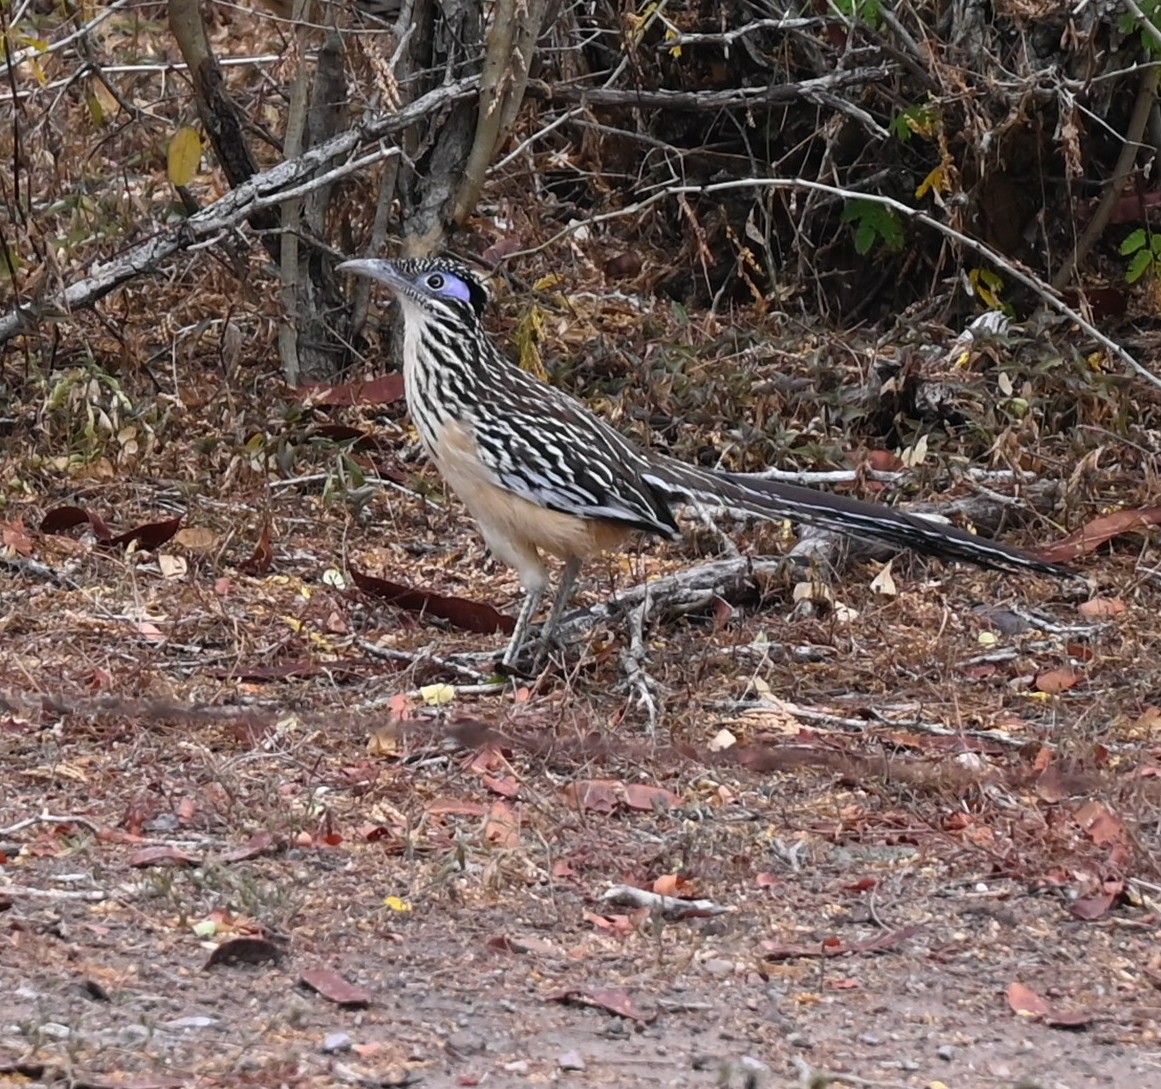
[{"x": 541, "y": 474}]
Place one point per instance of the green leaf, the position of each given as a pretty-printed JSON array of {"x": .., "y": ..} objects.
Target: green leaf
[
  {"x": 865, "y": 238},
  {"x": 1142, "y": 261},
  {"x": 1134, "y": 242}
]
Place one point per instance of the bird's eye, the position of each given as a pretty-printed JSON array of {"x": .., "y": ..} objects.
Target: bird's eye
[{"x": 435, "y": 281}]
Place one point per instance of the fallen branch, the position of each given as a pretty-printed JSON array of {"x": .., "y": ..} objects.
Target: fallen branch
[
  {"x": 293, "y": 178},
  {"x": 672, "y": 907},
  {"x": 774, "y": 94}
]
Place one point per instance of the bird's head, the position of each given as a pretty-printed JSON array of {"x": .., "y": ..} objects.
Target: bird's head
[{"x": 427, "y": 287}]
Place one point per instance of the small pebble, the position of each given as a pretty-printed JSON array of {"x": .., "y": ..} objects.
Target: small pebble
[
  {"x": 189, "y": 1023},
  {"x": 571, "y": 1060},
  {"x": 336, "y": 1041},
  {"x": 796, "y": 1039},
  {"x": 946, "y": 1052},
  {"x": 870, "y": 1039},
  {"x": 520, "y": 1066},
  {"x": 465, "y": 1043}
]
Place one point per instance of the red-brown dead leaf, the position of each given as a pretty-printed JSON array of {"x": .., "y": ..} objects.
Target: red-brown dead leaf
[
  {"x": 1091, "y": 536},
  {"x": 500, "y": 249},
  {"x": 884, "y": 461},
  {"x": 598, "y": 795},
  {"x": 261, "y": 843},
  {"x": 507, "y": 786},
  {"x": 614, "y": 999},
  {"x": 335, "y": 988},
  {"x": 1055, "y": 681},
  {"x": 455, "y": 807},
  {"x": 650, "y": 799},
  {"x": 13, "y": 535},
  {"x": 261, "y": 559},
  {"x": 1102, "y": 608},
  {"x": 473, "y": 616},
  {"x": 620, "y": 925},
  {"x": 1091, "y": 908},
  {"x": 835, "y": 947},
  {"x": 1102, "y": 826},
  {"x": 356, "y": 437},
  {"x": 162, "y": 856},
  {"x": 1051, "y": 786},
  {"x": 502, "y": 826},
  {"x": 386, "y": 389},
  {"x": 1027, "y": 1003},
  {"x": 61, "y": 519},
  {"x": 150, "y": 535},
  {"x": 486, "y": 759}
]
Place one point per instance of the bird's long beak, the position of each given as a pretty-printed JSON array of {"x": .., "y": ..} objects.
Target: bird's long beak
[{"x": 380, "y": 270}]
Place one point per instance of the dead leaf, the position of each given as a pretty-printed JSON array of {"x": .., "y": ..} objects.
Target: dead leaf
[
  {"x": 836, "y": 947},
  {"x": 597, "y": 795},
  {"x": 1055, "y": 681},
  {"x": 196, "y": 538},
  {"x": 473, "y": 616},
  {"x": 244, "y": 951},
  {"x": 650, "y": 799},
  {"x": 385, "y": 390},
  {"x": 13, "y": 535},
  {"x": 1091, "y": 908},
  {"x": 614, "y": 999},
  {"x": 1027, "y": 1003},
  {"x": 335, "y": 988},
  {"x": 1090, "y": 537},
  {"x": 261, "y": 559},
  {"x": 162, "y": 856},
  {"x": 507, "y": 786},
  {"x": 150, "y": 536},
  {"x": 502, "y": 826},
  {"x": 1102, "y": 608},
  {"x": 261, "y": 843}
]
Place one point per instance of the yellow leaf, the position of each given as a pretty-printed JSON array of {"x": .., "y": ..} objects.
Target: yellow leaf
[
  {"x": 547, "y": 283},
  {"x": 185, "y": 153},
  {"x": 936, "y": 180},
  {"x": 395, "y": 904},
  {"x": 437, "y": 694},
  {"x": 96, "y": 110},
  {"x": 528, "y": 334}
]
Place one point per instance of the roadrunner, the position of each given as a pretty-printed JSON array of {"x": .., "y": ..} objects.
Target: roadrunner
[{"x": 541, "y": 474}]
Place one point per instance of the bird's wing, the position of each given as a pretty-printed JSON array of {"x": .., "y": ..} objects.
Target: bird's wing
[{"x": 549, "y": 449}]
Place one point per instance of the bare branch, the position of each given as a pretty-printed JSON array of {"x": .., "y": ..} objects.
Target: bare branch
[{"x": 287, "y": 179}]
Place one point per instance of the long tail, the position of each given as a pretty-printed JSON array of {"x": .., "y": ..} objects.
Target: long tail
[{"x": 840, "y": 513}]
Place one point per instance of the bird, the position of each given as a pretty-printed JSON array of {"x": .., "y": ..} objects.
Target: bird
[{"x": 542, "y": 474}]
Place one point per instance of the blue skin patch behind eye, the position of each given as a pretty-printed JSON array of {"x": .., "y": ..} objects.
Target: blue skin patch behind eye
[{"x": 452, "y": 286}]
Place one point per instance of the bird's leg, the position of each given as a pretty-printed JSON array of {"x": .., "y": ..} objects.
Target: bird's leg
[
  {"x": 523, "y": 619},
  {"x": 560, "y": 601}
]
